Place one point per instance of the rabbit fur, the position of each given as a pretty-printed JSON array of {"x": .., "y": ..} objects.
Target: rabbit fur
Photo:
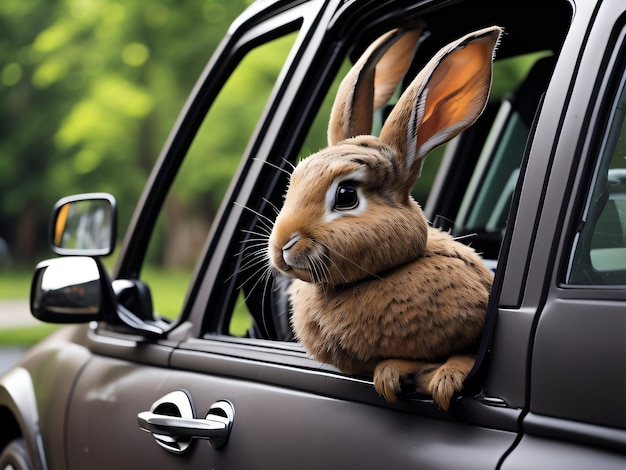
[{"x": 377, "y": 290}]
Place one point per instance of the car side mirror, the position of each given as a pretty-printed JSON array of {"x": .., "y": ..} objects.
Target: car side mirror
[
  {"x": 67, "y": 290},
  {"x": 84, "y": 224},
  {"x": 77, "y": 289}
]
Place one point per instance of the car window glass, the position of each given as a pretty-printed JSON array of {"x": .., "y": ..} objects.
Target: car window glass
[
  {"x": 486, "y": 203},
  {"x": 599, "y": 254},
  {"x": 193, "y": 200}
]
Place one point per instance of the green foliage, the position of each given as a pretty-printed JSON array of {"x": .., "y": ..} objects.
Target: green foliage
[
  {"x": 89, "y": 90},
  {"x": 224, "y": 134},
  {"x": 15, "y": 284}
]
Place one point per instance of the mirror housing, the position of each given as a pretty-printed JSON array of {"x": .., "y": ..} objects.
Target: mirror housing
[
  {"x": 77, "y": 289},
  {"x": 84, "y": 225},
  {"x": 67, "y": 290}
]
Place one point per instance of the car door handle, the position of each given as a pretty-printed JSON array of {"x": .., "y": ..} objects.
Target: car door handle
[
  {"x": 175, "y": 433},
  {"x": 182, "y": 427}
]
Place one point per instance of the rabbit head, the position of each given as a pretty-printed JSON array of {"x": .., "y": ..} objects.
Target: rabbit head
[{"x": 348, "y": 214}]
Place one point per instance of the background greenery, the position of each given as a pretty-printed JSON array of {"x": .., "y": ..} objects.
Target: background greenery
[{"x": 89, "y": 90}]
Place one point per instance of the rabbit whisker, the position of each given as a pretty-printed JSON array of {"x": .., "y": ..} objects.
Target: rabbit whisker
[
  {"x": 265, "y": 278},
  {"x": 268, "y": 279},
  {"x": 272, "y": 205},
  {"x": 264, "y": 220},
  {"x": 262, "y": 272},
  {"x": 251, "y": 255},
  {"x": 255, "y": 245},
  {"x": 374, "y": 275},
  {"x": 330, "y": 260},
  {"x": 323, "y": 267},
  {"x": 264, "y": 233},
  {"x": 273, "y": 165},
  {"x": 319, "y": 271},
  {"x": 253, "y": 261},
  {"x": 247, "y": 262},
  {"x": 463, "y": 237},
  {"x": 293, "y": 167}
]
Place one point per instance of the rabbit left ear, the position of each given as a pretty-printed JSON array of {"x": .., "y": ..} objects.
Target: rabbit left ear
[
  {"x": 445, "y": 98},
  {"x": 370, "y": 83}
]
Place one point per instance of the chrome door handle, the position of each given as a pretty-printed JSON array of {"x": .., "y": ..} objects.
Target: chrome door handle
[
  {"x": 174, "y": 433},
  {"x": 181, "y": 427}
]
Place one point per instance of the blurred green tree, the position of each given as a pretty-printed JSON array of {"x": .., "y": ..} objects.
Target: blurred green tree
[{"x": 89, "y": 90}]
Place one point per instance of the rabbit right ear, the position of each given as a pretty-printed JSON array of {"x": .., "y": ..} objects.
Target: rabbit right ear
[
  {"x": 370, "y": 83},
  {"x": 445, "y": 98}
]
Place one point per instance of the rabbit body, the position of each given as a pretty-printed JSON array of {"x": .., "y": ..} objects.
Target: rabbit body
[
  {"x": 376, "y": 290},
  {"x": 428, "y": 309},
  {"x": 394, "y": 296}
]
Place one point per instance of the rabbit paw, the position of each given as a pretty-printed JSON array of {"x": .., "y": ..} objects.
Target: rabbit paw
[
  {"x": 440, "y": 381},
  {"x": 443, "y": 382},
  {"x": 389, "y": 374},
  {"x": 387, "y": 380}
]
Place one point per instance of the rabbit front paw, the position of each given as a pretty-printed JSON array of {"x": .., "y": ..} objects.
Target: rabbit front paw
[
  {"x": 444, "y": 384},
  {"x": 440, "y": 381},
  {"x": 447, "y": 379},
  {"x": 387, "y": 380},
  {"x": 389, "y": 374}
]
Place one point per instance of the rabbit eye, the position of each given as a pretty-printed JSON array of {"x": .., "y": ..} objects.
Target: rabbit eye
[{"x": 346, "y": 197}]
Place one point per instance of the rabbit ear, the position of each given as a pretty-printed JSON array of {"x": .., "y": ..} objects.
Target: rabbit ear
[
  {"x": 370, "y": 83},
  {"x": 445, "y": 98}
]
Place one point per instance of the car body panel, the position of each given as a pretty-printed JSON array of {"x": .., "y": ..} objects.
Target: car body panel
[
  {"x": 38, "y": 389},
  {"x": 590, "y": 341},
  {"x": 17, "y": 396},
  {"x": 274, "y": 427},
  {"x": 534, "y": 452}
]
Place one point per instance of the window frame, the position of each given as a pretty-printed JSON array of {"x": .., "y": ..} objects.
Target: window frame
[
  {"x": 209, "y": 303},
  {"x": 250, "y": 30},
  {"x": 215, "y": 323},
  {"x": 609, "y": 86}
]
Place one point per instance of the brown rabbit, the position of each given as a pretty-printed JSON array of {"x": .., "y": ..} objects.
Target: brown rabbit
[{"x": 378, "y": 291}]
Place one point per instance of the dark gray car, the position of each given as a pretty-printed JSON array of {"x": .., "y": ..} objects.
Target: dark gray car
[{"x": 535, "y": 186}]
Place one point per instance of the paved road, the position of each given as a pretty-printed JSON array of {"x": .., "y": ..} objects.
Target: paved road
[
  {"x": 9, "y": 357},
  {"x": 14, "y": 314}
]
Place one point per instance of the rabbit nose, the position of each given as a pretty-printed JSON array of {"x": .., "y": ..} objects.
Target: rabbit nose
[{"x": 295, "y": 238}]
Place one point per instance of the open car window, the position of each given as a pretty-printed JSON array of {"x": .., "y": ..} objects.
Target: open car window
[
  {"x": 192, "y": 203},
  {"x": 498, "y": 145},
  {"x": 474, "y": 203}
]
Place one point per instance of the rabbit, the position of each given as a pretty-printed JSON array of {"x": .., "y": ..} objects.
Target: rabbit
[{"x": 376, "y": 290}]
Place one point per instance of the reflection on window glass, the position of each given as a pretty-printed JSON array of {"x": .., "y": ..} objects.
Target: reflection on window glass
[
  {"x": 600, "y": 251},
  {"x": 486, "y": 205},
  {"x": 201, "y": 183}
]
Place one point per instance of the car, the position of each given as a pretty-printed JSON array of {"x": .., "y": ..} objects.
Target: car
[{"x": 535, "y": 185}]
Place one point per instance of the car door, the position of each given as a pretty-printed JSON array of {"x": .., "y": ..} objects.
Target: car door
[
  {"x": 229, "y": 355},
  {"x": 577, "y": 409}
]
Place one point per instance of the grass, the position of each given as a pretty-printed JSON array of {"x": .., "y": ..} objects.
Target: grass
[
  {"x": 168, "y": 290},
  {"x": 15, "y": 283},
  {"x": 27, "y": 336}
]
